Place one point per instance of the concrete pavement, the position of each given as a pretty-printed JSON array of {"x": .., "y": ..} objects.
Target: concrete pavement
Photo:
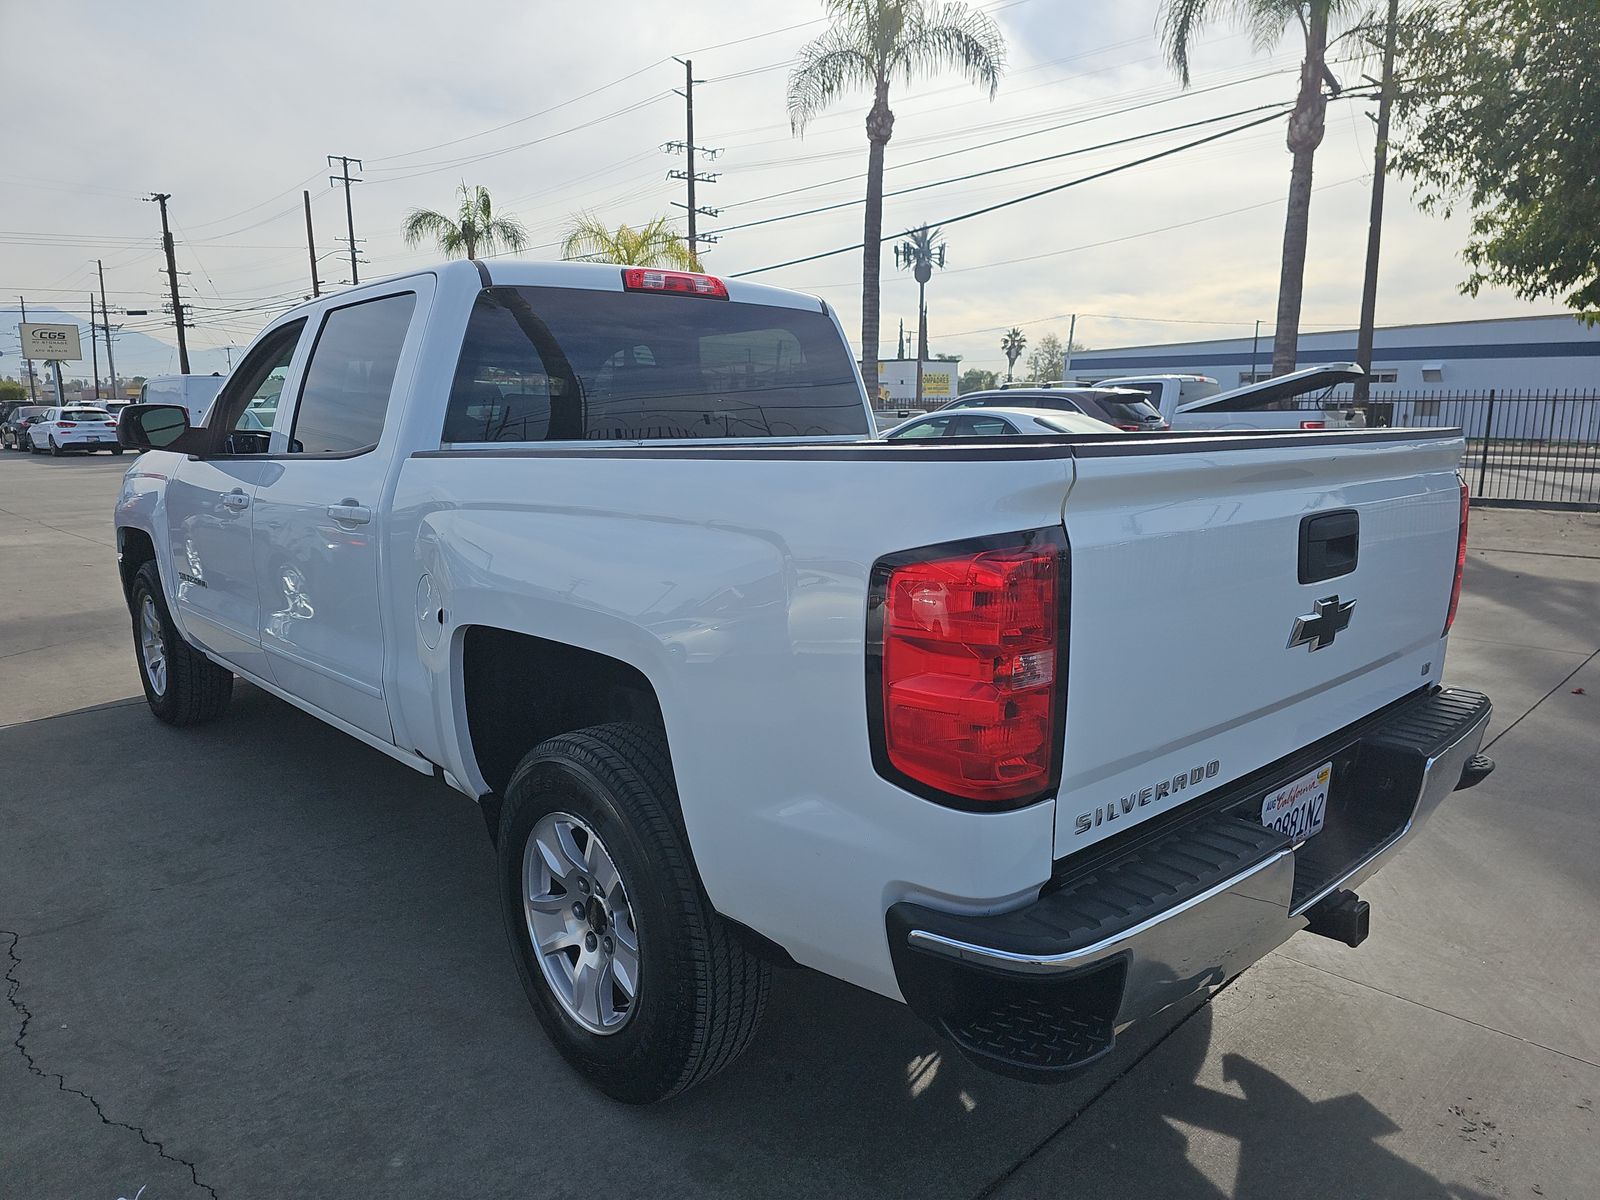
[{"x": 260, "y": 959}]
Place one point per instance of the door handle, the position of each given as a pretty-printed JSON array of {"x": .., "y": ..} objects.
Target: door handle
[
  {"x": 350, "y": 513},
  {"x": 237, "y": 501}
]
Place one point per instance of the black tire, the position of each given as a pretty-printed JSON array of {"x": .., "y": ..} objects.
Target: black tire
[
  {"x": 55, "y": 450},
  {"x": 700, "y": 993},
  {"x": 116, "y": 450},
  {"x": 197, "y": 690}
]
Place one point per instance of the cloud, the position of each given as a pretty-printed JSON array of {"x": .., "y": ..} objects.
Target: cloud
[{"x": 232, "y": 109}]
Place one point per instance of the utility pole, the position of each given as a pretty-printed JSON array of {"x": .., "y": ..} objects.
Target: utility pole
[
  {"x": 161, "y": 198},
  {"x": 1255, "y": 351},
  {"x": 311, "y": 246},
  {"x": 1066, "y": 361},
  {"x": 349, "y": 216},
  {"x": 94, "y": 348},
  {"x": 105, "y": 324},
  {"x": 33, "y": 391},
  {"x": 1380, "y": 165},
  {"x": 689, "y": 175}
]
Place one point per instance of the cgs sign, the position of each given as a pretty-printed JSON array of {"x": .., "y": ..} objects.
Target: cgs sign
[{"x": 50, "y": 342}]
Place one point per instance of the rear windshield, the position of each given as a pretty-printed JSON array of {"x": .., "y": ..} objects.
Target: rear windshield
[
  {"x": 1125, "y": 409},
  {"x": 85, "y": 414},
  {"x": 552, "y": 364}
]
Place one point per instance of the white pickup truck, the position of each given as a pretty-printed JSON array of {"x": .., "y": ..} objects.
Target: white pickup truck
[
  {"x": 1302, "y": 399},
  {"x": 1038, "y": 735}
]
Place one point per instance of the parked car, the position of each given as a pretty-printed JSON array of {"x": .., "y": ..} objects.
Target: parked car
[
  {"x": 1302, "y": 399},
  {"x": 997, "y": 422},
  {"x": 612, "y": 551},
  {"x": 14, "y": 430},
  {"x": 194, "y": 392},
  {"x": 1125, "y": 410},
  {"x": 75, "y": 427},
  {"x": 1166, "y": 393}
]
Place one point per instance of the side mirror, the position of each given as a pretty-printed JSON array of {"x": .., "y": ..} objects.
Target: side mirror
[{"x": 153, "y": 426}]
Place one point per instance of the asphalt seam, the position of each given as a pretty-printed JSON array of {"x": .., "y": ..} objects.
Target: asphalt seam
[
  {"x": 1564, "y": 681},
  {"x": 13, "y": 986},
  {"x": 69, "y": 532},
  {"x": 1538, "y": 553},
  {"x": 1382, "y": 991},
  {"x": 1000, "y": 1180}
]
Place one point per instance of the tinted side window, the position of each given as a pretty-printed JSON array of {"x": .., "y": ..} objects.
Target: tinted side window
[
  {"x": 235, "y": 418},
  {"x": 567, "y": 363},
  {"x": 348, "y": 382}
]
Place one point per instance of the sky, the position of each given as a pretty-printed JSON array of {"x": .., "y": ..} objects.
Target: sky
[{"x": 233, "y": 109}]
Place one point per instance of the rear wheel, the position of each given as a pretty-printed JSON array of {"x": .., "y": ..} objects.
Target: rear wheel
[
  {"x": 181, "y": 685},
  {"x": 54, "y": 449},
  {"x": 116, "y": 449},
  {"x": 640, "y": 985}
]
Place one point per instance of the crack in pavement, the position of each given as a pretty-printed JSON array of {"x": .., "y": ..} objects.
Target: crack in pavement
[{"x": 13, "y": 986}]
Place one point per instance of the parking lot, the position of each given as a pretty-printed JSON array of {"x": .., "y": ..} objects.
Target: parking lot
[{"x": 261, "y": 959}]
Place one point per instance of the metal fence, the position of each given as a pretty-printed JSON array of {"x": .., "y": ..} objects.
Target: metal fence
[{"x": 1526, "y": 449}]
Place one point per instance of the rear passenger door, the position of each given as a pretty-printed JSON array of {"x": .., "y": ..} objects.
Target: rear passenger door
[{"x": 319, "y": 514}]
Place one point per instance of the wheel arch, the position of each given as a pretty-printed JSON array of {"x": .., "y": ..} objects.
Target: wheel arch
[
  {"x": 135, "y": 547},
  {"x": 518, "y": 689}
]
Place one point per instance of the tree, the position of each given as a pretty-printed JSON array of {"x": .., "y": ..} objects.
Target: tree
[
  {"x": 1500, "y": 110},
  {"x": 655, "y": 244},
  {"x": 10, "y": 389},
  {"x": 475, "y": 228},
  {"x": 1182, "y": 21},
  {"x": 976, "y": 379},
  {"x": 1046, "y": 359},
  {"x": 1013, "y": 344},
  {"x": 870, "y": 44}
]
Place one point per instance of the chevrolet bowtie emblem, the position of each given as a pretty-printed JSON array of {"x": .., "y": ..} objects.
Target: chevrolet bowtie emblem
[{"x": 1321, "y": 627}]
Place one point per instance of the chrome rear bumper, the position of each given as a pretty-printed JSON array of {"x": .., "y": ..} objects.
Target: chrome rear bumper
[{"x": 1042, "y": 991}]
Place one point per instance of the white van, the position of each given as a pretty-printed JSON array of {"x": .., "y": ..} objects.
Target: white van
[{"x": 194, "y": 392}]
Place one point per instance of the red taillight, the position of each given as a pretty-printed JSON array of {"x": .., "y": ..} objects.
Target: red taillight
[
  {"x": 66, "y": 424},
  {"x": 1131, "y": 428},
  {"x": 968, "y": 700},
  {"x": 1461, "y": 562},
  {"x": 680, "y": 283},
  {"x": 1313, "y": 424}
]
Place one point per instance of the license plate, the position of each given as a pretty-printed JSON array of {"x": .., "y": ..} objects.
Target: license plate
[{"x": 1298, "y": 810}]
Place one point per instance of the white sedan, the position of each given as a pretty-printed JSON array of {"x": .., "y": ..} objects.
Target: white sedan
[
  {"x": 87, "y": 429},
  {"x": 995, "y": 422}
]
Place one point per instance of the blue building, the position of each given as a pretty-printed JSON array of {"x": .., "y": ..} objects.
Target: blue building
[{"x": 1555, "y": 353}]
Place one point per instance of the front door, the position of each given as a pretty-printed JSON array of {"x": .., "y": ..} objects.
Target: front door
[
  {"x": 208, "y": 505},
  {"x": 319, "y": 519}
]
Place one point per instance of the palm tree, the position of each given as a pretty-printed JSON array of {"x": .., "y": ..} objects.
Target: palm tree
[
  {"x": 475, "y": 229},
  {"x": 870, "y": 44},
  {"x": 1013, "y": 344},
  {"x": 652, "y": 245},
  {"x": 1182, "y": 21}
]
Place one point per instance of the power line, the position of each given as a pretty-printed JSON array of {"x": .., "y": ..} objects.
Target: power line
[
  {"x": 978, "y": 212},
  {"x": 1282, "y": 106}
]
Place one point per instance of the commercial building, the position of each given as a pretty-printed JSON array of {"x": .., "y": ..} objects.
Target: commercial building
[{"x": 1552, "y": 353}]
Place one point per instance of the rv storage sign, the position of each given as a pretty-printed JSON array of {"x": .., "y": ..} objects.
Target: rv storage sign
[{"x": 58, "y": 342}]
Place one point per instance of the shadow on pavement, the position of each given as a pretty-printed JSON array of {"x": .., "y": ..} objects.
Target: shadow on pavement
[{"x": 279, "y": 953}]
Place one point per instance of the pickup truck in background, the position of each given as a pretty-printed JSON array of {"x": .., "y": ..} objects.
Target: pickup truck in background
[
  {"x": 1036, "y": 734},
  {"x": 1299, "y": 400}
]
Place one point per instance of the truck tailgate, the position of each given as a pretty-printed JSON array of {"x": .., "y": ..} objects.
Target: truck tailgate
[{"x": 1184, "y": 600}]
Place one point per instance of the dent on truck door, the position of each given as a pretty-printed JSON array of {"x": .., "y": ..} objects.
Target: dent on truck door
[
  {"x": 209, "y": 507},
  {"x": 318, "y": 518}
]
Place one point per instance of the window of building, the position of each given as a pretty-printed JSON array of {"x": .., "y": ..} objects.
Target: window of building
[
  {"x": 1432, "y": 372},
  {"x": 1253, "y": 377},
  {"x": 1384, "y": 375},
  {"x": 348, "y": 382}
]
